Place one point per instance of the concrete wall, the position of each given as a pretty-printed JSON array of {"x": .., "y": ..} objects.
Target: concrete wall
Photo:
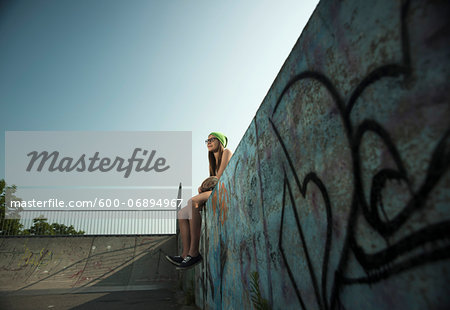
[
  {"x": 85, "y": 263},
  {"x": 338, "y": 194}
]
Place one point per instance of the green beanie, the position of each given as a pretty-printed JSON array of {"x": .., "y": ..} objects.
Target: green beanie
[{"x": 222, "y": 138}]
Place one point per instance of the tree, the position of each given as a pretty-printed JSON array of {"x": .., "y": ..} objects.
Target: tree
[
  {"x": 62, "y": 229},
  {"x": 40, "y": 225},
  {"x": 9, "y": 226}
]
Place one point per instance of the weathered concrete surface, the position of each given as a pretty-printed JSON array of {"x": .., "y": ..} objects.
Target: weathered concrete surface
[
  {"x": 170, "y": 298},
  {"x": 338, "y": 194},
  {"x": 85, "y": 264}
]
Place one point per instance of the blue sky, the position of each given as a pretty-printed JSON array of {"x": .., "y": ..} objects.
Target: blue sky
[{"x": 108, "y": 65}]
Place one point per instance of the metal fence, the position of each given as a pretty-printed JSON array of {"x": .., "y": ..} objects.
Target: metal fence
[
  {"x": 111, "y": 222},
  {"x": 93, "y": 223}
]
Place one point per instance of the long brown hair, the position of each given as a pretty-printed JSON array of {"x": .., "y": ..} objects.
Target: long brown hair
[{"x": 213, "y": 169}]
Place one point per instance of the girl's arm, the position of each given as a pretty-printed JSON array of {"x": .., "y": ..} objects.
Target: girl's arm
[{"x": 225, "y": 159}]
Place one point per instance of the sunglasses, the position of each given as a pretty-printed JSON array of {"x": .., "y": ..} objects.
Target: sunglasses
[{"x": 210, "y": 140}]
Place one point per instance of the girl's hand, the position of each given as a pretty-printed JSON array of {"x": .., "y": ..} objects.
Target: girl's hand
[
  {"x": 199, "y": 206},
  {"x": 200, "y": 190}
]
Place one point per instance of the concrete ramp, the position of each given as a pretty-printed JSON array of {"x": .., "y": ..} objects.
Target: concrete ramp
[{"x": 85, "y": 263}]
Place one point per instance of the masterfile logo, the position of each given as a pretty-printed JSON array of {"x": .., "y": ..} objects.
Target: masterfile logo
[
  {"x": 95, "y": 163},
  {"x": 90, "y": 158},
  {"x": 89, "y": 171}
]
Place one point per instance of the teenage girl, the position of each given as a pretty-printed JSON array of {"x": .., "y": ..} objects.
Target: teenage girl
[{"x": 189, "y": 218}]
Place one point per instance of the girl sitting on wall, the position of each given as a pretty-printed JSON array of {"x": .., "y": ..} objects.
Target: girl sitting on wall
[{"x": 189, "y": 218}]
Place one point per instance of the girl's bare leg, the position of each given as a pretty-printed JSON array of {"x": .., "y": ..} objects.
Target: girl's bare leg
[
  {"x": 196, "y": 227},
  {"x": 185, "y": 236},
  {"x": 183, "y": 221},
  {"x": 196, "y": 222}
]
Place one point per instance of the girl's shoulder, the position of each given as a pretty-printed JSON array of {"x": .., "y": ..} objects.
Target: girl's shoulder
[{"x": 227, "y": 152}]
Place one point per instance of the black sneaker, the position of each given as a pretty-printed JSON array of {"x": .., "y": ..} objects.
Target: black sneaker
[
  {"x": 190, "y": 262},
  {"x": 175, "y": 260}
]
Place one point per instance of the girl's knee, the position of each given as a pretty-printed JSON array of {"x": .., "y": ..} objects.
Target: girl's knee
[
  {"x": 185, "y": 213},
  {"x": 181, "y": 214}
]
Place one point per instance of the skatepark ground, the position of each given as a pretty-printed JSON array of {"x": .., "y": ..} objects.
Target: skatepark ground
[
  {"x": 156, "y": 299},
  {"x": 89, "y": 272}
]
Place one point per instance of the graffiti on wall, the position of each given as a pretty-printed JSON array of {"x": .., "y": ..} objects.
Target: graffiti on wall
[
  {"x": 30, "y": 258},
  {"x": 220, "y": 201},
  {"x": 364, "y": 177},
  {"x": 399, "y": 253}
]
